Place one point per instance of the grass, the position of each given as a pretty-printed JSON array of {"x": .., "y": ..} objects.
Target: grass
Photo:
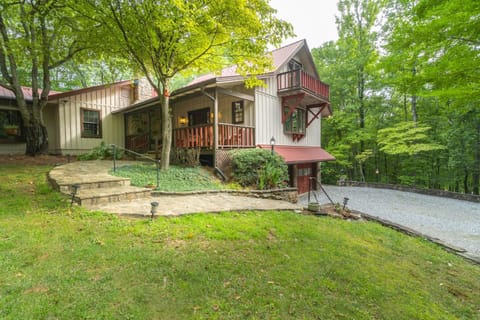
[
  {"x": 62, "y": 263},
  {"x": 174, "y": 179}
]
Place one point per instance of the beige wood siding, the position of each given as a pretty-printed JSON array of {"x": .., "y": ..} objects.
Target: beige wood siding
[
  {"x": 50, "y": 118},
  {"x": 183, "y": 106},
  {"x": 268, "y": 113},
  {"x": 69, "y": 115}
]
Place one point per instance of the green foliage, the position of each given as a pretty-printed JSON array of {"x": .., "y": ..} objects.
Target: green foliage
[
  {"x": 259, "y": 168},
  {"x": 406, "y": 138},
  {"x": 103, "y": 151},
  {"x": 68, "y": 263},
  {"x": 176, "y": 178},
  {"x": 36, "y": 37},
  {"x": 409, "y": 111}
]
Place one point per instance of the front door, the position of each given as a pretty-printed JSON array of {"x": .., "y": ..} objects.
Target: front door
[{"x": 304, "y": 172}]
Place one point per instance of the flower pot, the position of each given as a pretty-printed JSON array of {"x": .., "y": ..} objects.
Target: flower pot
[{"x": 12, "y": 131}]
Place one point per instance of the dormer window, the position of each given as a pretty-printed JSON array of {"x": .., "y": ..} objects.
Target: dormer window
[{"x": 294, "y": 65}]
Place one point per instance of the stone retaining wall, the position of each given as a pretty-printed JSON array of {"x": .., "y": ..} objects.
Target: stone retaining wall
[
  {"x": 286, "y": 194},
  {"x": 431, "y": 192}
]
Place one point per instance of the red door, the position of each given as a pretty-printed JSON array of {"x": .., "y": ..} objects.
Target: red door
[{"x": 304, "y": 172}]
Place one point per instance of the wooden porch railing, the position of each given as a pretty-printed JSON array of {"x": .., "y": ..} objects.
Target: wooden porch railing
[
  {"x": 235, "y": 136},
  {"x": 299, "y": 79},
  {"x": 229, "y": 136},
  {"x": 137, "y": 143},
  {"x": 192, "y": 137}
]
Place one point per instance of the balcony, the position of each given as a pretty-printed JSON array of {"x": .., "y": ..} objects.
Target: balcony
[
  {"x": 201, "y": 136},
  {"x": 299, "y": 81}
]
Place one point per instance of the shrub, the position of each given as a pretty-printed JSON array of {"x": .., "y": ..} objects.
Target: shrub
[
  {"x": 103, "y": 151},
  {"x": 259, "y": 168}
]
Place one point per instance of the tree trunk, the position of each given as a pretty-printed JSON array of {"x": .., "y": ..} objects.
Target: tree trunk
[
  {"x": 465, "y": 181},
  {"x": 166, "y": 128},
  {"x": 37, "y": 139},
  {"x": 476, "y": 163},
  {"x": 414, "y": 99}
]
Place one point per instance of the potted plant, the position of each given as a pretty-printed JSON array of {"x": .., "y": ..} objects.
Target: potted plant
[{"x": 11, "y": 129}]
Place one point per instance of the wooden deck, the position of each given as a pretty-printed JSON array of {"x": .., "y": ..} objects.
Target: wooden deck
[
  {"x": 229, "y": 136},
  {"x": 300, "y": 80}
]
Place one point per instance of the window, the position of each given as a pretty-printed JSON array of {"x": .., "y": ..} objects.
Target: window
[
  {"x": 10, "y": 125},
  {"x": 296, "y": 122},
  {"x": 294, "y": 65},
  {"x": 198, "y": 117},
  {"x": 237, "y": 112},
  {"x": 91, "y": 123}
]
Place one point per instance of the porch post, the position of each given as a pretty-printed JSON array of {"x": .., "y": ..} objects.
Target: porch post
[{"x": 215, "y": 127}]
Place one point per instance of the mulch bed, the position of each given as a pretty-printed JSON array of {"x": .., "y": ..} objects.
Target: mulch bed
[{"x": 39, "y": 160}]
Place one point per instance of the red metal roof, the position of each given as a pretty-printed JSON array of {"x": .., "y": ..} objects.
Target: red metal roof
[
  {"x": 27, "y": 93},
  {"x": 295, "y": 154},
  {"x": 280, "y": 56}
]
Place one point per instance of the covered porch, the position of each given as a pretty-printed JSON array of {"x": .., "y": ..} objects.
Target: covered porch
[{"x": 215, "y": 118}]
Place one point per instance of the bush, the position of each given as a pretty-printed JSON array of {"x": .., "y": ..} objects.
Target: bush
[
  {"x": 101, "y": 152},
  {"x": 259, "y": 168}
]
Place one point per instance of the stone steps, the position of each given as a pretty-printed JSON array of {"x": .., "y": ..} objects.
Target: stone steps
[
  {"x": 101, "y": 195},
  {"x": 96, "y": 184}
]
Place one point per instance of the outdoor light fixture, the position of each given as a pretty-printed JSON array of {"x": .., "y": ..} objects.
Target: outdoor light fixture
[
  {"x": 345, "y": 201},
  {"x": 154, "y": 208},
  {"x": 75, "y": 188},
  {"x": 272, "y": 143},
  {"x": 182, "y": 120}
]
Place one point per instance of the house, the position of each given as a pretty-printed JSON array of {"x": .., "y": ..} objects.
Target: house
[
  {"x": 77, "y": 120},
  {"x": 216, "y": 113},
  {"x": 213, "y": 114}
]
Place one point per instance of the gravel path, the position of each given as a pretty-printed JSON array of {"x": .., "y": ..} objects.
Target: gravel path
[{"x": 455, "y": 222}]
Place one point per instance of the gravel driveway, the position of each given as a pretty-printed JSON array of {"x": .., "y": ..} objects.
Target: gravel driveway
[{"x": 455, "y": 222}]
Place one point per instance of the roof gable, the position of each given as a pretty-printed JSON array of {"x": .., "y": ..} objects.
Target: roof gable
[{"x": 280, "y": 57}]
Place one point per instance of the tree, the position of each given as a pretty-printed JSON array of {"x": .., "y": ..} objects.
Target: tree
[
  {"x": 170, "y": 37},
  {"x": 349, "y": 66},
  {"x": 36, "y": 37},
  {"x": 440, "y": 41}
]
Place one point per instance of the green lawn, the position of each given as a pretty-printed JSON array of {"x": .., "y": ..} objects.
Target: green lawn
[
  {"x": 176, "y": 178},
  {"x": 61, "y": 263}
]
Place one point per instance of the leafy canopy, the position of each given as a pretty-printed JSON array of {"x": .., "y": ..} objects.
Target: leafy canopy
[
  {"x": 406, "y": 138},
  {"x": 172, "y": 36}
]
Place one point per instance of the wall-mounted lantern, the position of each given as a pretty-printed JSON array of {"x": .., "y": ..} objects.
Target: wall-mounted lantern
[{"x": 182, "y": 121}]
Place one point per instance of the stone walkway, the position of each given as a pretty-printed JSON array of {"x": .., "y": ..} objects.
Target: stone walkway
[
  {"x": 96, "y": 173},
  {"x": 174, "y": 205}
]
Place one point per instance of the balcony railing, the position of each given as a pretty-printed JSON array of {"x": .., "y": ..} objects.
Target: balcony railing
[
  {"x": 298, "y": 79},
  {"x": 229, "y": 136}
]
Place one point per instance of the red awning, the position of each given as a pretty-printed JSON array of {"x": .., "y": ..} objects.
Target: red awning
[{"x": 294, "y": 154}]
